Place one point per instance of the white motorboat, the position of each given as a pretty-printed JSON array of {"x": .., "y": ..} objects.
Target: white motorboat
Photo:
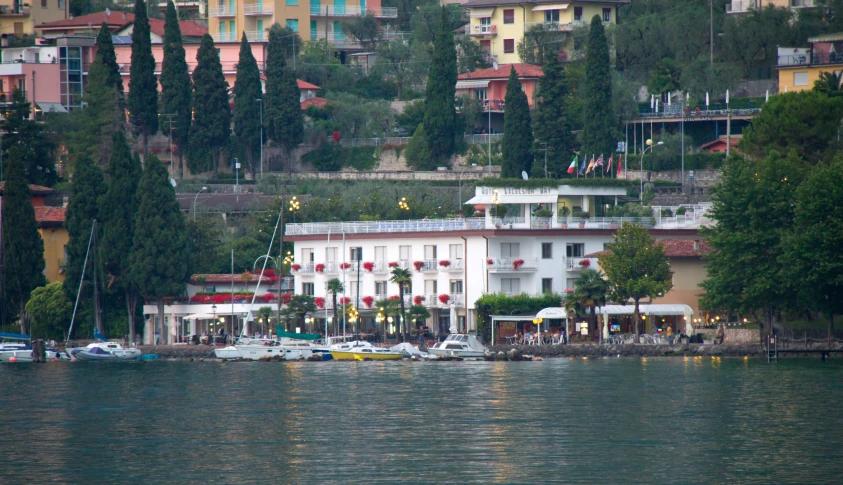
[
  {"x": 17, "y": 348},
  {"x": 459, "y": 345},
  {"x": 255, "y": 349},
  {"x": 108, "y": 351}
]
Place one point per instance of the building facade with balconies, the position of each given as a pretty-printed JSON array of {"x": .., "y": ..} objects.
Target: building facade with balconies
[
  {"x": 746, "y": 6},
  {"x": 800, "y": 67},
  {"x": 499, "y": 25},
  {"x": 488, "y": 86},
  {"x": 19, "y": 17}
]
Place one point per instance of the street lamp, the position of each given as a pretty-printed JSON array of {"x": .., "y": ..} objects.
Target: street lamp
[
  {"x": 641, "y": 167},
  {"x": 402, "y": 204},
  {"x": 194, "y": 202},
  {"x": 260, "y": 102},
  {"x": 294, "y": 207}
]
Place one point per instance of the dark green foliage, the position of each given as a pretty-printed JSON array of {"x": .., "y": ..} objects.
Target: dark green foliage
[
  {"x": 830, "y": 83},
  {"x": 143, "y": 87},
  {"x": 440, "y": 115},
  {"x": 282, "y": 111},
  {"x": 665, "y": 77},
  {"x": 502, "y": 304},
  {"x": 540, "y": 43},
  {"x": 247, "y": 117},
  {"x": 598, "y": 135},
  {"x": 517, "y": 143},
  {"x": 807, "y": 121},
  {"x": 211, "y": 125},
  {"x": 365, "y": 29},
  {"x": 176, "y": 88},
  {"x": 83, "y": 209},
  {"x": 23, "y": 249},
  {"x": 106, "y": 55},
  {"x": 50, "y": 310},
  {"x": 553, "y": 124},
  {"x": 589, "y": 293},
  {"x": 35, "y": 147},
  {"x": 331, "y": 157},
  {"x": 418, "y": 153},
  {"x": 91, "y": 129}
]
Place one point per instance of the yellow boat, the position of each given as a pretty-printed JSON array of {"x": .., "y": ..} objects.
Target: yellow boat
[{"x": 366, "y": 353}]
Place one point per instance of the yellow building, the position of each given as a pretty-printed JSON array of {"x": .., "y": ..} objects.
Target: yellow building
[
  {"x": 312, "y": 19},
  {"x": 499, "y": 25},
  {"x": 745, "y": 6},
  {"x": 799, "y": 67},
  {"x": 55, "y": 236},
  {"x": 20, "y": 18}
]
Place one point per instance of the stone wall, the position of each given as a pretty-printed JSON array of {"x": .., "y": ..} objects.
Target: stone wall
[
  {"x": 733, "y": 335},
  {"x": 703, "y": 178}
]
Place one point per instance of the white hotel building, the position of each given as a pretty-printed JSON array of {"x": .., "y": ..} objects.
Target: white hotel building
[{"x": 455, "y": 261}]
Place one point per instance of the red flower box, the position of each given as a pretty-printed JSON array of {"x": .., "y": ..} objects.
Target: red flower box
[
  {"x": 569, "y": 290},
  {"x": 320, "y": 268},
  {"x": 393, "y": 264},
  {"x": 345, "y": 300},
  {"x": 320, "y": 302},
  {"x": 368, "y": 301},
  {"x": 585, "y": 263},
  {"x": 418, "y": 265},
  {"x": 295, "y": 266},
  {"x": 345, "y": 265},
  {"x": 444, "y": 298},
  {"x": 490, "y": 261},
  {"x": 418, "y": 299},
  {"x": 444, "y": 263},
  {"x": 517, "y": 263},
  {"x": 286, "y": 298},
  {"x": 394, "y": 298},
  {"x": 369, "y": 266}
]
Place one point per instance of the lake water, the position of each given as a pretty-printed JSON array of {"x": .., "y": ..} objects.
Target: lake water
[{"x": 668, "y": 420}]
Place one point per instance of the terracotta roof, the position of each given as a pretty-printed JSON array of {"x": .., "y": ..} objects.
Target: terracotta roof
[
  {"x": 117, "y": 20},
  {"x": 306, "y": 85},
  {"x": 33, "y": 189},
  {"x": 50, "y": 216},
  {"x": 523, "y": 71},
  {"x": 499, "y": 3},
  {"x": 673, "y": 248},
  {"x": 226, "y": 278},
  {"x": 318, "y": 102},
  {"x": 734, "y": 140},
  {"x": 188, "y": 28}
]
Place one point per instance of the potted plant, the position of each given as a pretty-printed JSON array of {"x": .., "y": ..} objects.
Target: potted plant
[
  {"x": 320, "y": 268},
  {"x": 564, "y": 212},
  {"x": 490, "y": 261},
  {"x": 369, "y": 266},
  {"x": 394, "y": 298},
  {"x": 368, "y": 301},
  {"x": 444, "y": 298},
  {"x": 319, "y": 301},
  {"x": 517, "y": 263},
  {"x": 543, "y": 213},
  {"x": 569, "y": 290},
  {"x": 418, "y": 299},
  {"x": 345, "y": 265},
  {"x": 585, "y": 263},
  {"x": 393, "y": 264},
  {"x": 582, "y": 215},
  {"x": 444, "y": 263},
  {"x": 418, "y": 265},
  {"x": 295, "y": 266}
]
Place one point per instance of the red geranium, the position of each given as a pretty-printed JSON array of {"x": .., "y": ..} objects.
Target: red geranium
[
  {"x": 286, "y": 297},
  {"x": 393, "y": 264},
  {"x": 369, "y": 266},
  {"x": 444, "y": 298},
  {"x": 418, "y": 299},
  {"x": 368, "y": 300},
  {"x": 319, "y": 301},
  {"x": 295, "y": 266},
  {"x": 517, "y": 263},
  {"x": 585, "y": 263},
  {"x": 394, "y": 298},
  {"x": 345, "y": 265},
  {"x": 490, "y": 261},
  {"x": 444, "y": 263},
  {"x": 320, "y": 268},
  {"x": 344, "y": 300},
  {"x": 418, "y": 264}
]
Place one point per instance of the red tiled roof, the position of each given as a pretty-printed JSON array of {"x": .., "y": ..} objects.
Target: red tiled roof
[
  {"x": 226, "y": 278},
  {"x": 306, "y": 85},
  {"x": 50, "y": 216},
  {"x": 523, "y": 71},
  {"x": 33, "y": 189},
  {"x": 116, "y": 19},
  {"x": 733, "y": 141},
  {"x": 673, "y": 248},
  {"x": 318, "y": 102},
  {"x": 188, "y": 28}
]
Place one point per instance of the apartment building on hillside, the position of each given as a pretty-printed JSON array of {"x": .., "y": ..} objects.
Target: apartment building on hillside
[
  {"x": 800, "y": 67},
  {"x": 499, "y": 25},
  {"x": 19, "y": 18},
  {"x": 745, "y": 6}
]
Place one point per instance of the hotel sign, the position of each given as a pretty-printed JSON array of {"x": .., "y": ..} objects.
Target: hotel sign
[{"x": 517, "y": 191}]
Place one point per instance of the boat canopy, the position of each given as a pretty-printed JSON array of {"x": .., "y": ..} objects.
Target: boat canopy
[
  {"x": 301, "y": 336},
  {"x": 14, "y": 336}
]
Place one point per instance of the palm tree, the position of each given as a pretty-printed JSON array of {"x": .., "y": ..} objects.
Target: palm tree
[
  {"x": 301, "y": 305},
  {"x": 418, "y": 313},
  {"x": 830, "y": 83},
  {"x": 335, "y": 286},
  {"x": 589, "y": 293},
  {"x": 403, "y": 278}
]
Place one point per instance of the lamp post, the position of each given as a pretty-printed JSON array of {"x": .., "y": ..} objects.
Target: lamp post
[
  {"x": 650, "y": 146},
  {"x": 260, "y": 102},
  {"x": 294, "y": 207},
  {"x": 402, "y": 205},
  {"x": 211, "y": 330},
  {"x": 194, "y": 202}
]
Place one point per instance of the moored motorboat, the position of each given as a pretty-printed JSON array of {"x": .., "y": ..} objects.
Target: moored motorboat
[
  {"x": 459, "y": 345},
  {"x": 18, "y": 348},
  {"x": 105, "y": 351},
  {"x": 362, "y": 350},
  {"x": 255, "y": 349}
]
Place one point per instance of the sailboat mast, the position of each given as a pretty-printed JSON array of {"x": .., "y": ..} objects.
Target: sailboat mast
[
  {"x": 97, "y": 309},
  {"x": 81, "y": 279}
]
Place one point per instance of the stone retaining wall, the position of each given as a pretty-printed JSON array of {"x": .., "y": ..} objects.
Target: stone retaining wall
[{"x": 630, "y": 350}]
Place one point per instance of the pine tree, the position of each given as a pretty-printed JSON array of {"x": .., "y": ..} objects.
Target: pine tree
[
  {"x": 102, "y": 116},
  {"x": 160, "y": 260},
  {"x": 176, "y": 88},
  {"x": 143, "y": 87},
  {"x": 82, "y": 210},
  {"x": 598, "y": 134},
  {"x": 105, "y": 54},
  {"x": 118, "y": 208},
  {"x": 517, "y": 143},
  {"x": 23, "y": 250},
  {"x": 211, "y": 125},
  {"x": 37, "y": 147},
  {"x": 440, "y": 114},
  {"x": 553, "y": 125},
  {"x": 282, "y": 110},
  {"x": 247, "y": 90}
]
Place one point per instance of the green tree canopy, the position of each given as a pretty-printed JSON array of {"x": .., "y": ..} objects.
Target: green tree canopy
[
  {"x": 440, "y": 115},
  {"x": 211, "y": 126},
  {"x": 36, "y": 147},
  {"x": 334, "y": 287},
  {"x": 50, "y": 310},
  {"x": 517, "y": 143},
  {"x": 403, "y": 278},
  {"x": 247, "y": 117},
  {"x": 83, "y": 209},
  {"x": 301, "y": 305},
  {"x": 598, "y": 134},
  {"x": 176, "y": 88},
  {"x": 589, "y": 293},
  {"x": 553, "y": 123},
  {"x": 106, "y": 55},
  {"x": 143, "y": 87},
  {"x": 282, "y": 110}
]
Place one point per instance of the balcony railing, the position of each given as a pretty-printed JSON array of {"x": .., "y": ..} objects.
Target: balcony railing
[
  {"x": 15, "y": 10},
  {"x": 819, "y": 58},
  {"x": 555, "y": 26},
  {"x": 481, "y": 30},
  {"x": 380, "y": 267},
  {"x": 509, "y": 264},
  {"x": 455, "y": 265},
  {"x": 352, "y": 11},
  {"x": 257, "y": 35},
  {"x": 741, "y": 6},
  {"x": 258, "y": 9},
  {"x": 602, "y": 222},
  {"x": 222, "y": 11},
  {"x": 576, "y": 264},
  {"x": 224, "y": 37}
]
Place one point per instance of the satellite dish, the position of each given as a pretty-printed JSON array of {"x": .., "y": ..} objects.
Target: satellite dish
[
  {"x": 108, "y": 12},
  {"x": 173, "y": 182},
  {"x": 495, "y": 65},
  {"x": 524, "y": 175}
]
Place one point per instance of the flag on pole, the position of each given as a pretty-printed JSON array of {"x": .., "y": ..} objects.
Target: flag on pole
[
  {"x": 619, "y": 165},
  {"x": 582, "y": 167},
  {"x": 599, "y": 161},
  {"x": 706, "y": 100},
  {"x": 573, "y": 166},
  {"x": 609, "y": 166},
  {"x": 590, "y": 166}
]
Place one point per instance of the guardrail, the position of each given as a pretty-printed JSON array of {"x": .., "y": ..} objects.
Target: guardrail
[
  {"x": 690, "y": 115},
  {"x": 352, "y": 10},
  {"x": 258, "y": 9}
]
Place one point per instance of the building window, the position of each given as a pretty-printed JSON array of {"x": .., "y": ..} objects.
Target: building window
[
  {"x": 307, "y": 289},
  {"x": 430, "y": 287},
  {"x": 547, "y": 285},
  {"x": 356, "y": 254},
  {"x": 456, "y": 287},
  {"x": 43, "y": 3},
  {"x": 800, "y": 78},
  {"x": 380, "y": 287},
  {"x": 547, "y": 250},
  {"x": 330, "y": 254},
  {"x": 306, "y": 255},
  {"x": 455, "y": 252},
  {"x": 575, "y": 250},
  {"x": 485, "y": 25},
  {"x": 61, "y": 4},
  {"x": 551, "y": 16},
  {"x": 607, "y": 14},
  {"x": 380, "y": 253},
  {"x": 480, "y": 94},
  {"x": 430, "y": 252},
  {"x": 292, "y": 2},
  {"x": 312, "y": 30},
  {"x": 510, "y": 250},
  {"x": 509, "y": 16},
  {"x": 511, "y": 286},
  {"x": 404, "y": 253},
  {"x": 578, "y": 13},
  {"x": 509, "y": 46},
  {"x": 293, "y": 24},
  {"x": 571, "y": 283},
  {"x": 260, "y": 29}
]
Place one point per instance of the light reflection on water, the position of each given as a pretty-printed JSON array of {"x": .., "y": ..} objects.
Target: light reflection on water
[{"x": 569, "y": 421}]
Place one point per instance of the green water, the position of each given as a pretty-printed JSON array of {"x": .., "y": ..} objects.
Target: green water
[{"x": 597, "y": 421}]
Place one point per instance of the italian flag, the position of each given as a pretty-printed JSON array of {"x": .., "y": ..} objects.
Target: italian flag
[{"x": 573, "y": 166}]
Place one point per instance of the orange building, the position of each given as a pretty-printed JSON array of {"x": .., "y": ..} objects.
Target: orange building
[{"x": 489, "y": 87}]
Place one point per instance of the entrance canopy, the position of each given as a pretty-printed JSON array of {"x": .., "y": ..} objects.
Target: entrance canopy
[
  {"x": 199, "y": 316},
  {"x": 667, "y": 309}
]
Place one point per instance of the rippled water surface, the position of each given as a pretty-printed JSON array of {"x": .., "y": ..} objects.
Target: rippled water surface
[{"x": 566, "y": 421}]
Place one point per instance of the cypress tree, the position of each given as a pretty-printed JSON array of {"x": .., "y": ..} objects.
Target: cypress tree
[
  {"x": 211, "y": 125},
  {"x": 517, "y": 143},
  {"x": 175, "y": 84},
  {"x": 83, "y": 208},
  {"x": 23, "y": 250},
  {"x": 160, "y": 257},
  {"x": 247, "y": 117},
  {"x": 105, "y": 54},
  {"x": 118, "y": 208},
  {"x": 553, "y": 126},
  {"x": 440, "y": 113},
  {"x": 598, "y": 134},
  {"x": 282, "y": 111},
  {"x": 143, "y": 87},
  {"x": 37, "y": 148},
  {"x": 101, "y": 117}
]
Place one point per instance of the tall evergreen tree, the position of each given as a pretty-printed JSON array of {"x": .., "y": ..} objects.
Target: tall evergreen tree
[
  {"x": 247, "y": 118},
  {"x": 598, "y": 134},
  {"x": 160, "y": 260},
  {"x": 176, "y": 88},
  {"x": 553, "y": 125},
  {"x": 36, "y": 147},
  {"x": 143, "y": 87},
  {"x": 23, "y": 250},
  {"x": 211, "y": 125},
  {"x": 517, "y": 143},
  {"x": 83, "y": 209},
  {"x": 440, "y": 114},
  {"x": 118, "y": 208},
  {"x": 282, "y": 110},
  {"x": 90, "y": 135},
  {"x": 105, "y": 54}
]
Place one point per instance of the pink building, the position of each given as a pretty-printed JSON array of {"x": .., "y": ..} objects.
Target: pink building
[{"x": 489, "y": 87}]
